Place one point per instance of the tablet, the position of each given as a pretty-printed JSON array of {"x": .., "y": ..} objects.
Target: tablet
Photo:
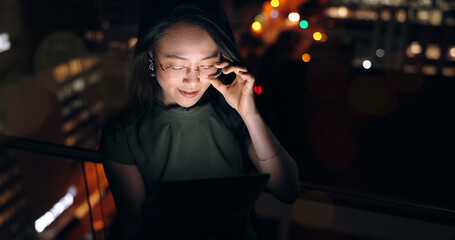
[
  {"x": 202, "y": 207},
  {"x": 237, "y": 193}
]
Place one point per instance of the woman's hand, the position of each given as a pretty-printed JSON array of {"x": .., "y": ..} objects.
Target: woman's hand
[{"x": 238, "y": 94}]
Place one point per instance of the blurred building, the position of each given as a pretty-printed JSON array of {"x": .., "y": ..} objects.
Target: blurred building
[{"x": 410, "y": 36}]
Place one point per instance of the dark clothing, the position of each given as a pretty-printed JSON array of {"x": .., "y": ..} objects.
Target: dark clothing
[{"x": 176, "y": 144}]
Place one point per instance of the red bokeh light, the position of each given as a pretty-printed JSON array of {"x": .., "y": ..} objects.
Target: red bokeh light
[{"x": 257, "y": 89}]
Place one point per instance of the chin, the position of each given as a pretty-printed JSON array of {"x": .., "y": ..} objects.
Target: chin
[{"x": 188, "y": 103}]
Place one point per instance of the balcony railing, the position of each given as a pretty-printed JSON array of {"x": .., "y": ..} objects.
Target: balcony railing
[{"x": 341, "y": 197}]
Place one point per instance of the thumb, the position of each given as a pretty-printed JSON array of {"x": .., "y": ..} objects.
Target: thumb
[{"x": 218, "y": 85}]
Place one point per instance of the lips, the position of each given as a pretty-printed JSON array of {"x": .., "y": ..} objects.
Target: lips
[{"x": 189, "y": 94}]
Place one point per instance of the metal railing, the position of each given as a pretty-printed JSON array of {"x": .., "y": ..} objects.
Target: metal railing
[
  {"x": 357, "y": 200},
  {"x": 50, "y": 148}
]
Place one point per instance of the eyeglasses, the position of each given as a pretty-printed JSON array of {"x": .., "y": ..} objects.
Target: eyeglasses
[{"x": 180, "y": 72}]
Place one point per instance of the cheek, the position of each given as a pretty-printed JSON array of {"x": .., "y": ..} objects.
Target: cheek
[
  {"x": 205, "y": 84},
  {"x": 164, "y": 83}
]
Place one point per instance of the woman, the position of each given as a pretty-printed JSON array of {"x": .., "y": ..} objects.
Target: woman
[{"x": 190, "y": 122}]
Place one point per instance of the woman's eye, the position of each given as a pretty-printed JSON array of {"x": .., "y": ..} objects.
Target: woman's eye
[
  {"x": 207, "y": 67},
  {"x": 177, "y": 68}
]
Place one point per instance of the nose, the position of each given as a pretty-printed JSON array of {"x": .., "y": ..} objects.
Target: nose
[{"x": 192, "y": 77}]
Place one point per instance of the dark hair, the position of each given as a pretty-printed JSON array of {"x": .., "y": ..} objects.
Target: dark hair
[{"x": 144, "y": 87}]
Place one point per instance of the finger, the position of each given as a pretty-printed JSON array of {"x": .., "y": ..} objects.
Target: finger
[
  {"x": 218, "y": 85},
  {"x": 235, "y": 69},
  {"x": 221, "y": 64}
]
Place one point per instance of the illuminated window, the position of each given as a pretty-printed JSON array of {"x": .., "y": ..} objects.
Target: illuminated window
[
  {"x": 75, "y": 66},
  {"x": 436, "y": 17},
  {"x": 448, "y": 71},
  {"x": 400, "y": 15},
  {"x": 343, "y": 12},
  {"x": 433, "y": 51},
  {"x": 414, "y": 49},
  {"x": 451, "y": 53},
  {"x": 332, "y": 12},
  {"x": 410, "y": 69},
  {"x": 429, "y": 70},
  {"x": 423, "y": 15},
  {"x": 386, "y": 15},
  {"x": 5, "y": 44}
]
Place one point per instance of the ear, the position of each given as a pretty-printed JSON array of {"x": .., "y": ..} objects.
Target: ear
[{"x": 150, "y": 55}]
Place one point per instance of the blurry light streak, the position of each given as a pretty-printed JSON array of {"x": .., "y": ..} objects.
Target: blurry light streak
[
  {"x": 63, "y": 204},
  {"x": 366, "y": 14},
  {"x": 274, "y": 13},
  {"x": 5, "y": 43},
  {"x": 366, "y": 64},
  {"x": 303, "y": 24},
  {"x": 294, "y": 17},
  {"x": 132, "y": 42}
]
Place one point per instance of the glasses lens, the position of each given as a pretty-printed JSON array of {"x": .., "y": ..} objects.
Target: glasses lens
[
  {"x": 212, "y": 72},
  {"x": 177, "y": 73}
]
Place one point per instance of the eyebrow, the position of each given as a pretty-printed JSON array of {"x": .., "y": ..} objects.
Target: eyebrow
[{"x": 214, "y": 55}]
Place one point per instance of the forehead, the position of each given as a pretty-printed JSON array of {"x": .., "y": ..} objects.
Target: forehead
[{"x": 186, "y": 39}]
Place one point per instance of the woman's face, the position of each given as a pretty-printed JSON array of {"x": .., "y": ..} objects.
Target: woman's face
[{"x": 184, "y": 45}]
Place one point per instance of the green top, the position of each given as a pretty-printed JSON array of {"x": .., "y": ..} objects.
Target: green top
[
  {"x": 174, "y": 144},
  {"x": 177, "y": 144}
]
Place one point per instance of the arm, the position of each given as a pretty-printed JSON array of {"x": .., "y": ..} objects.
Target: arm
[
  {"x": 265, "y": 150},
  {"x": 270, "y": 157},
  {"x": 128, "y": 191}
]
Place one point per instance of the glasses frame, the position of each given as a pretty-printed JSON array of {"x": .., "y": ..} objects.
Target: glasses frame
[{"x": 189, "y": 70}]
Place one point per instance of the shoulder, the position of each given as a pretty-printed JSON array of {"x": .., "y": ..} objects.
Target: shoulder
[{"x": 123, "y": 121}]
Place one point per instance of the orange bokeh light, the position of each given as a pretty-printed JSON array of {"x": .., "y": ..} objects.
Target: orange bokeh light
[
  {"x": 306, "y": 57},
  {"x": 256, "y": 26}
]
